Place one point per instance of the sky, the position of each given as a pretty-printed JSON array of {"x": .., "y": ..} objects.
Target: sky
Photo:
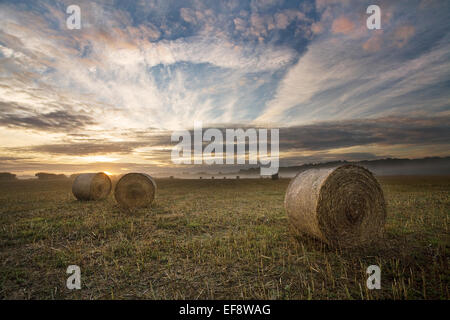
[{"x": 108, "y": 96}]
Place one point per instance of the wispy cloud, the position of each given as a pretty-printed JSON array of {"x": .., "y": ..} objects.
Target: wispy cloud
[
  {"x": 136, "y": 71},
  {"x": 351, "y": 72}
]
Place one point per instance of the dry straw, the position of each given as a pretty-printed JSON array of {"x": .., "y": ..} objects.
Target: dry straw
[
  {"x": 342, "y": 206},
  {"x": 135, "y": 190},
  {"x": 91, "y": 186}
]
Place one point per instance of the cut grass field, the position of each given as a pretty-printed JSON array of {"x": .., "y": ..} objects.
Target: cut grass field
[{"x": 214, "y": 239}]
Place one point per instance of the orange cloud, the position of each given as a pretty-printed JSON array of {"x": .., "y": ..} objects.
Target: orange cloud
[
  {"x": 317, "y": 28},
  {"x": 403, "y": 34},
  {"x": 282, "y": 20},
  {"x": 342, "y": 25},
  {"x": 373, "y": 44}
]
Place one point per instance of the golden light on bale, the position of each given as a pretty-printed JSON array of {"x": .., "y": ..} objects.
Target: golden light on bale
[
  {"x": 135, "y": 190},
  {"x": 342, "y": 206},
  {"x": 91, "y": 186}
]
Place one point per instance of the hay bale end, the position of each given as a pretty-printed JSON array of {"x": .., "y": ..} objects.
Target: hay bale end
[
  {"x": 91, "y": 186},
  {"x": 342, "y": 206},
  {"x": 135, "y": 190}
]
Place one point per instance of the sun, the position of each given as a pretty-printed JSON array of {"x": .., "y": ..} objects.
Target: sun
[{"x": 107, "y": 173}]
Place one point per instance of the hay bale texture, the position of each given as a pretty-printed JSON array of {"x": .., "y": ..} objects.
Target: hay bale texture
[
  {"x": 135, "y": 190},
  {"x": 91, "y": 186},
  {"x": 342, "y": 206}
]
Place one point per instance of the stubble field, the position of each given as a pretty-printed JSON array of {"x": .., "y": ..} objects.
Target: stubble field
[{"x": 214, "y": 239}]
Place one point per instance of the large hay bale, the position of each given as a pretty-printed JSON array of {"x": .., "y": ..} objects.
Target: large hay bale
[
  {"x": 342, "y": 206},
  {"x": 91, "y": 186},
  {"x": 135, "y": 190}
]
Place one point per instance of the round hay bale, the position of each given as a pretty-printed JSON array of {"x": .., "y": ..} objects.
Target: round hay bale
[
  {"x": 135, "y": 190},
  {"x": 342, "y": 206},
  {"x": 91, "y": 186}
]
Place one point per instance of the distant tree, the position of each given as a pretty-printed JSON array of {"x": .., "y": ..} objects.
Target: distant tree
[
  {"x": 7, "y": 176},
  {"x": 50, "y": 176}
]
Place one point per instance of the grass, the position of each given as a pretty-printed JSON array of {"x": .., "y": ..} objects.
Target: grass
[{"x": 214, "y": 239}]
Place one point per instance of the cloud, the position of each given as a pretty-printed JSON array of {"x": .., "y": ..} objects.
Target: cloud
[
  {"x": 381, "y": 131},
  {"x": 124, "y": 143},
  {"x": 364, "y": 74},
  {"x": 210, "y": 50},
  {"x": 325, "y": 141},
  {"x": 60, "y": 120},
  {"x": 403, "y": 34},
  {"x": 374, "y": 44},
  {"x": 321, "y": 4},
  {"x": 315, "y": 71},
  {"x": 281, "y": 20},
  {"x": 31, "y": 167},
  {"x": 342, "y": 25},
  {"x": 240, "y": 24},
  {"x": 317, "y": 28},
  {"x": 188, "y": 15},
  {"x": 122, "y": 71},
  {"x": 12, "y": 158},
  {"x": 82, "y": 149}
]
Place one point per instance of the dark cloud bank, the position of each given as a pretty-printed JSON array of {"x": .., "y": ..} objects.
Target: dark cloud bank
[{"x": 318, "y": 138}]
